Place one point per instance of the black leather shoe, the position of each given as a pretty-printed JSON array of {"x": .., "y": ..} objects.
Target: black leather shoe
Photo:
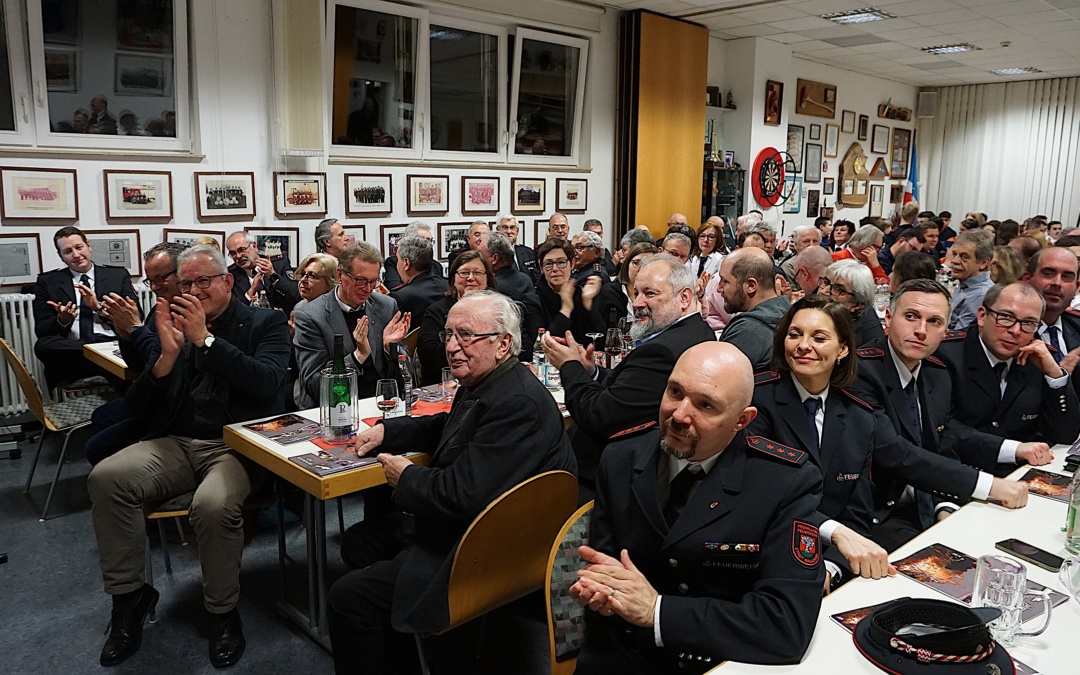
[
  {"x": 226, "y": 640},
  {"x": 125, "y": 634}
]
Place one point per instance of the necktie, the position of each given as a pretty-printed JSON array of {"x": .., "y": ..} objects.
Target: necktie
[
  {"x": 813, "y": 405},
  {"x": 352, "y": 318},
  {"x": 1052, "y": 332},
  {"x": 86, "y": 315},
  {"x": 680, "y": 492},
  {"x": 911, "y": 392},
  {"x": 999, "y": 371}
]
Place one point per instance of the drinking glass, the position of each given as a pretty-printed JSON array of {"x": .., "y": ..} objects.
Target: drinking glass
[
  {"x": 614, "y": 347},
  {"x": 1070, "y": 577},
  {"x": 448, "y": 386},
  {"x": 597, "y": 342},
  {"x": 387, "y": 399},
  {"x": 1002, "y": 582}
]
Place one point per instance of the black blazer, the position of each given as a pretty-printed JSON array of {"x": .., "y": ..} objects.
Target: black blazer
[
  {"x": 753, "y": 606},
  {"x": 498, "y": 434},
  {"x": 928, "y": 461},
  {"x": 867, "y": 326},
  {"x": 847, "y": 442},
  {"x": 416, "y": 296},
  {"x": 281, "y": 289},
  {"x": 58, "y": 286},
  {"x": 1029, "y": 411},
  {"x": 627, "y": 396},
  {"x": 526, "y": 261},
  {"x": 581, "y": 321},
  {"x": 429, "y": 347},
  {"x": 518, "y": 287},
  {"x": 610, "y": 304},
  {"x": 391, "y": 278},
  {"x": 1070, "y": 323}
]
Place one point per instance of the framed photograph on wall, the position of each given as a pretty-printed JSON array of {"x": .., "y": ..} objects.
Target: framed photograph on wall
[
  {"x": 812, "y": 173},
  {"x": 864, "y": 127},
  {"x": 20, "y": 259},
  {"x": 901, "y": 149},
  {"x": 138, "y": 195},
  {"x": 877, "y": 197},
  {"x": 187, "y": 238},
  {"x": 896, "y": 194},
  {"x": 139, "y": 75},
  {"x": 32, "y": 194},
  {"x": 815, "y": 132},
  {"x": 389, "y": 237},
  {"x": 880, "y": 143},
  {"x": 795, "y": 135},
  {"x": 847, "y": 121},
  {"x": 428, "y": 195},
  {"x": 368, "y": 194},
  {"x": 572, "y": 194},
  {"x": 813, "y": 201},
  {"x": 299, "y": 194},
  {"x": 61, "y": 69},
  {"x": 224, "y": 196},
  {"x": 774, "y": 102},
  {"x": 828, "y": 186},
  {"x": 277, "y": 242},
  {"x": 479, "y": 195},
  {"x": 452, "y": 237},
  {"x": 119, "y": 248},
  {"x": 357, "y": 232},
  {"x": 540, "y": 229},
  {"x": 793, "y": 188},
  {"x": 832, "y": 140},
  {"x": 527, "y": 195}
]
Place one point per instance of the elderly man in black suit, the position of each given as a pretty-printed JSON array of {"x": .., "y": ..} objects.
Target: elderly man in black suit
[
  {"x": 369, "y": 322},
  {"x": 701, "y": 545},
  {"x": 253, "y": 273},
  {"x": 420, "y": 287},
  {"x": 1007, "y": 384},
  {"x": 503, "y": 428},
  {"x": 391, "y": 278},
  {"x": 67, "y": 308},
  {"x": 220, "y": 362},
  {"x": 603, "y": 402},
  {"x": 524, "y": 259},
  {"x": 913, "y": 389}
]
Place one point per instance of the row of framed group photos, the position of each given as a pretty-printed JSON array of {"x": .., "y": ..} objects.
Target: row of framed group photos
[{"x": 28, "y": 194}]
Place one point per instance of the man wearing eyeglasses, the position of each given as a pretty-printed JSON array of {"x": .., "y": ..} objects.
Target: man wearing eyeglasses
[
  {"x": 588, "y": 251},
  {"x": 369, "y": 322},
  {"x": 253, "y": 272},
  {"x": 524, "y": 259},
  {"x": 912, "y": 239},
  {"x": 67, "y": 308},
  {"x": 865, "y": 246},
  {"x": 1007, "y": 383},
  {"x": 391, "y": 278},
  {"x": 477, "y": 230},
  {"x": 420, "y": 287},
  {"x": 221, "y": 362},
  {"x": 503, "y": 429},
  {"x": 558, "y": 229},
  {"x": 969, "y": 259}
]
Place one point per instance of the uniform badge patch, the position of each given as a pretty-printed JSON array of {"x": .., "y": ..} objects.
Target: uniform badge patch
[{"x": 804, "y": 544}]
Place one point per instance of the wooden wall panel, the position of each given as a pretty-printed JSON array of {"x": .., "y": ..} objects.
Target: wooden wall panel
[{"x": 665, "y": 134}]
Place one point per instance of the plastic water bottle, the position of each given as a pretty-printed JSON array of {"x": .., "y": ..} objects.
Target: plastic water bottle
[
  {"x": 539, "y": 358},
  {"x": 1072, "y": 527},
  {"x": 406, "y": 379}
]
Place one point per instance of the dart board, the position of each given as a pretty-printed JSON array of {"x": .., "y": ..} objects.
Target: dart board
[{"x": 768, "y": 177}]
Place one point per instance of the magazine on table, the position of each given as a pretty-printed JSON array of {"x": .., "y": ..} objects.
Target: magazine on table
[
  {"x": 331, "y": 461},
  {"x": 286, "y": 429}
]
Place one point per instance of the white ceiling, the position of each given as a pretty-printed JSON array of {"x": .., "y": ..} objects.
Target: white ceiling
[{"x": 1044, "y": 34}]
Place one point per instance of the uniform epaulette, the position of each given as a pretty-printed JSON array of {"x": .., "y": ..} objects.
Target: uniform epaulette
[
  {"x": 1073, "y": 312},
  {"x": 954, "y": 335},
  {"x": 935, "y": 361},
  {"x": 870, "y": 352},
  {"x": 858, "y": 400},
  {"x": 766, "y": 376},
  {"x": 633, "y": 430},
  {"x": 777, "y": 450}
]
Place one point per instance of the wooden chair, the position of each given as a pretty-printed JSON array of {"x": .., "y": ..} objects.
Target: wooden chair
[
  {"x": 565, "y": 617},
  {"x": 411, "y": 340},
  {"x": 488, "y": 571},
  {"x": 64, "y": 417},
  {"x": 176, "y": 508}
]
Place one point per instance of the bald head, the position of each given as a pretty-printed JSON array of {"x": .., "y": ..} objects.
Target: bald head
[{"x": 706, "y": 401}]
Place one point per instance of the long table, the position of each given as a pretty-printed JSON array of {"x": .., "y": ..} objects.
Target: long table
[
  {"x": 107, "y": 356},
  {"x": 317, "y": 489},
  {"x": 972, "y": 530}
]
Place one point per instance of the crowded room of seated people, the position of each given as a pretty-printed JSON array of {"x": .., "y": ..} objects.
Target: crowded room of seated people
[{"x": 360, "y": 336}]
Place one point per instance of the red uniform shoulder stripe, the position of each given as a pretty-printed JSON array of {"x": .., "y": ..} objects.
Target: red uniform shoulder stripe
[
  {"x": 634, "y": 430},
  {"x": 766, "y": 376},
  {"x": 858, "y": 400},
  {"x": 777, "y": 450},
  {"x": 936, "y": 361}
]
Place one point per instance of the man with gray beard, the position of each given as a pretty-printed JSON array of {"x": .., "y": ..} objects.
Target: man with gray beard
[{"x": 605, "y": 403}]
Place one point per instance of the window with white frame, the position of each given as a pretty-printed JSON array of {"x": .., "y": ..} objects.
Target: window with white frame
[
  {"x": 109, "y": 74},
  {"x": 409, "y": 84}
]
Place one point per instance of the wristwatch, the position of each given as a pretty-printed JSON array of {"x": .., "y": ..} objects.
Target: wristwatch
[{"x": 208, "y": 342}]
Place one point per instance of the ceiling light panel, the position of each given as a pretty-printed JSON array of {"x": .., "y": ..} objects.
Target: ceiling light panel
[
  {"x": 1015, "y": 71},
  {"x": 864, "y": 15},
  {"x": 959, "y": 48}
]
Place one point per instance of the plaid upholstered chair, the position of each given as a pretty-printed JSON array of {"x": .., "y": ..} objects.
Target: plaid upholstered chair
[
  {"x": 64, "y": 417},
  {"x": 565, "y": 617}
]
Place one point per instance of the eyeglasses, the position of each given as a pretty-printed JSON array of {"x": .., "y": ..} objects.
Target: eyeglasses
[
  {"x": 581, "y": 247},
  {"x": 363, "y": 283},
  {"x": 706, "y": 236},
  {"x": 554, "y": 227},
  {"x": 311, "y": 276},
  {"x": 468, "y": 274},
  {"x": 158, "y": 281},
  {"x": 239, "y": 252},
  {"x": 561, "y": 264},
  {"x": 464, "y": 339},
  {"x": 835, "y": 289},
  {"x": 200, "y": 282},
  {"x": 1006, "y": 320}
]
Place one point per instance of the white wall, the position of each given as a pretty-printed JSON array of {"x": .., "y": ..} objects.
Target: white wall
[{"x": 232, "y": 56}]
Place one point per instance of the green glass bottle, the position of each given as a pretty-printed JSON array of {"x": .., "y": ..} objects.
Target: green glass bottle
[{"x": 341, "y": 422}]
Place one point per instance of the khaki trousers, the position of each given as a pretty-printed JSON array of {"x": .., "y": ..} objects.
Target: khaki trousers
[{"x": 159, "y": 469}]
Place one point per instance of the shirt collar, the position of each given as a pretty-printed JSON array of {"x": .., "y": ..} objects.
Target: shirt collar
[
  {"x": 975, "y": 280},
  {"x": 675, "y": 466},
  {"x": 77, "y": 276},
  {"x": 991, "y": 358},
  {"x": 1057, "y": 324},
  {"x": 803, "y": 394},
  {"x": 906, "y": 376},
  {"x": 681, "y": 318},
  {"x": 343, "y": 306}
]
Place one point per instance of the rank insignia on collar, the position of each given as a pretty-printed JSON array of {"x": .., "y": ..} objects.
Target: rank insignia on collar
[
  {"x": 955, "y": 335},
  {"x": 777, "y": 450},
  {"x": 766, "y": 376},
  {"x": 871, "y": 353},
  {"x": 804, "y": 544}
]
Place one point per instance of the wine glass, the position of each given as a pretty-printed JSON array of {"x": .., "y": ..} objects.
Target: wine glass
[
  {"x": 386, "y": 397},
  {"x": 598, "y": 349},
  {"x": 448, "y": 385},
  {"x": 614, "y": 347}
]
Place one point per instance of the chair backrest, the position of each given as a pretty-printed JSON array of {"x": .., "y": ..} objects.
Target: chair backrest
[
  {"x": 503, "y": 555},
  {"x": 412, "y": 338},
  {"x": 565, "y": 617},
  {"x": 27, "y": 384}
]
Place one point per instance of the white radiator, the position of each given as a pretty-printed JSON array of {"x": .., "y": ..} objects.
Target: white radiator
[{"x": 17, "y": 327}]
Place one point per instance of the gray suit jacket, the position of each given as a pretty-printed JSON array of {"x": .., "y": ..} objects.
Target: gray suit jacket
[{"x": 316, "y": 324}]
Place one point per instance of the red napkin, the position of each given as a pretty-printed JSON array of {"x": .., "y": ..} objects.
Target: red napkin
[{"x": 419, "y": 409}]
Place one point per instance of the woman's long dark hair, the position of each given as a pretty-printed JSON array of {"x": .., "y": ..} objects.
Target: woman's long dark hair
[{"x": 847, "y": 369}]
